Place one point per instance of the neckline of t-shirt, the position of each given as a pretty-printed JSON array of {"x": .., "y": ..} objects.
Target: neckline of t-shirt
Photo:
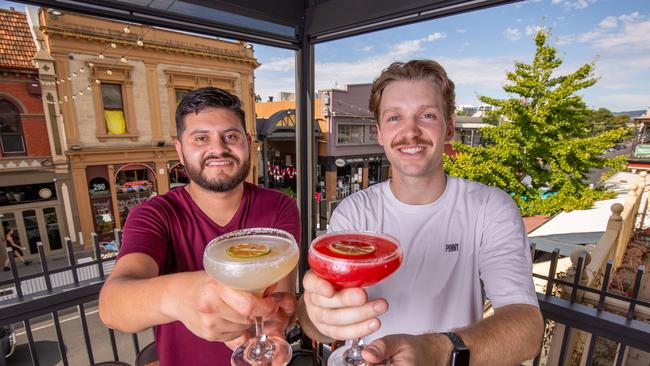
[
  {"x": 235, "y": 217},
  {"x": 388, "y": 193}
]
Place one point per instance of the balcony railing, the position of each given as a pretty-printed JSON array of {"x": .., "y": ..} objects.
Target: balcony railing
[{"x": 579, "y": 307}]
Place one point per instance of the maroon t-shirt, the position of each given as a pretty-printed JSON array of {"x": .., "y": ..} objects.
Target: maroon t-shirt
[{"x": 174, "y": 231}]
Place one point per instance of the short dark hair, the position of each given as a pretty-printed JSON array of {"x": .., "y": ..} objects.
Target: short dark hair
[{"x": 208, "y": 97}]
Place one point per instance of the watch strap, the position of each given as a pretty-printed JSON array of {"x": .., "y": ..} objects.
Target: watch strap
[{"x": 460, "y": 354}]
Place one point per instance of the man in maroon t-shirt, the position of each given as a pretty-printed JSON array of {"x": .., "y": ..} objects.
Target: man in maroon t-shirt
[{"x": 158, "y": 279}]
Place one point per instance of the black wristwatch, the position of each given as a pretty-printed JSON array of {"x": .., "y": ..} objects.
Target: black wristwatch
[{"x": 460, "y": 354}]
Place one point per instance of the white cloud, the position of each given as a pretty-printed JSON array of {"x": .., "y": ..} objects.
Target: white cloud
[
  {"x": 461, "y": 30},
  {"x": 283, "y": 64},
  {"x": 625, "y": 33},
  {"x": 406, "y": 48},
  {"x": 463, "y": 46},
  {"x": 531, "y": 30},
  {"x": 436, "y": 36},
  {"x": 512, "y": 34},
  {"x": 608, "y": 23},
  {"x": 573, "y": 4},
  {"x": 367, "y": 48}
]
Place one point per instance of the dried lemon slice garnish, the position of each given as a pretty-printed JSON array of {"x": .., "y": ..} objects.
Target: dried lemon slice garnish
[
  {"x": 353, "y": 248},
  {"x": 248, "y": 250}
]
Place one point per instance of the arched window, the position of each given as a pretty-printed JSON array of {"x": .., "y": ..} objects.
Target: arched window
[{"x": 12, "y": 141}]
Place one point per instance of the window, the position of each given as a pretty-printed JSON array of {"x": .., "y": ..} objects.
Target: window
[
  {"x": 113, "y": 102},
  {"x": 113, "y": 109},
  {"x": 12, "y": 141},
  {"x": 350, "y": 134},
  {"x": 180, "y": 93},
  {"x": 372, "y": 134}
]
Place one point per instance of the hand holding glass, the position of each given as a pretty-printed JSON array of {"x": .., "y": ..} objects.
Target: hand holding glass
[
  {"x": 353, "y": 259},
  {"x": 253, "y": 260}
]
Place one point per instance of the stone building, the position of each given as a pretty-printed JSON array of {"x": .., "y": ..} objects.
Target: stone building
[{"x": 117, "y": 87}]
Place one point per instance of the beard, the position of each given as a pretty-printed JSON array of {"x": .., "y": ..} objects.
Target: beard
[{"x": 196, "y": 174}]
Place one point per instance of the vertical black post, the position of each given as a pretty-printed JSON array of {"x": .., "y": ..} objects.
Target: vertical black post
[
  {"x": 305, "y": 139},
  {"x": 14, "y": 273},
  {"x": 98, "y": 254},
  {"x": 265, "y": 161}
]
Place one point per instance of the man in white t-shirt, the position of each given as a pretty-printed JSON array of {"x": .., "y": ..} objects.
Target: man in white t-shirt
[{"x": 461, "y": 241}]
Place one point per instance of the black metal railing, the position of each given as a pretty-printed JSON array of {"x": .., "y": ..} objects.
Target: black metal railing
[
  {"x": 45, "y": 296},
  {"x": 78, "y": 292},
  {"x": 594, "y": 319}
]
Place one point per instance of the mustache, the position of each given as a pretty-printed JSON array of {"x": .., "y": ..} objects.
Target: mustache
[
  {"x": 224, "y": 155},
  {"x": 417, "y": 140}
]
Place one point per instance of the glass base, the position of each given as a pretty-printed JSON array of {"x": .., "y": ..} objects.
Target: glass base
[
  {"x": 340, "y": 357},
  {"x": 265, "y": 350}
]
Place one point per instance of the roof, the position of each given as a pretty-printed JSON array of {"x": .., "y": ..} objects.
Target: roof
[
  {"x": 17, "y": 48},
  {"x": 352, "y": 102},
  {"x": 267, "y": 109}
]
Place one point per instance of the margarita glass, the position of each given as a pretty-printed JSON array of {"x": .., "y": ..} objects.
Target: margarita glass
[
  {"x": 253, "y": 260},
  {"x": 353, "y": 259}
]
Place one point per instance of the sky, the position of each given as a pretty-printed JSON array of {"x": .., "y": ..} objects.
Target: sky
[{"x": 478, "y": 48}]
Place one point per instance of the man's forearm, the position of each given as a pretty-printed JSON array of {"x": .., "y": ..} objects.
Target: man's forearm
[
  {"x": 307, "y": 326},
  {"x": 133, "y": 304},
  {"x": 512, "y": 335}
]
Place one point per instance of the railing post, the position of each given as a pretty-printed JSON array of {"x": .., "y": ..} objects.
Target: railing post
[{"x": 561, "y": 350}]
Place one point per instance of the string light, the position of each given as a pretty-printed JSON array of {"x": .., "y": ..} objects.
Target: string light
[
  {"x": 90, "y": 64},
  {"x": 127, "y": 30},
  {"x": 101, "y": 56},
  {"x": 113, "y": 45},
  {"x": 81, "y": 92},
  {"x": 74, "y": 74},
  {"x": 139, "y": 43},
  {"x": 88, "y": 87},
  {"x": 109, "y": 72},
  {"x": 97, "y": 81},
  {"x": 82, "y": 70},
  {"x": 123, "y": 59}
]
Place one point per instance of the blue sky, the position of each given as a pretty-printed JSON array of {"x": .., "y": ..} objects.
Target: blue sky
[{"x": 478, "y": 48}]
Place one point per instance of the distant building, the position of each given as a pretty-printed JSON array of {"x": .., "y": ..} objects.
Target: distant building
[
  {"x": 639, "y": 158},
  {"x": 468, "y": 130},
  {"x": 474, "y": 111},
  {"x": 35, "y": 197}
]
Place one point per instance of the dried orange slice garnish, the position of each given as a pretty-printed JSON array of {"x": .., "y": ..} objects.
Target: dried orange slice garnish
[
  {"x": 248, "y": 250},
  {"x": 353, "y": 248}
]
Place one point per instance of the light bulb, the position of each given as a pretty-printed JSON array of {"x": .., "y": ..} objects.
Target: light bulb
[
  {"x": 113, "y": 45},
  {"x": 82, "y": 70},
  {"x": 69, "y": 78},
  {"x": 101, "y": 56},
  {"x": 90, "y": 64},
  {"x": 88, "y": 87},
  {"x": 109, "y": 72},
  {"x": 74, "y": 97},
  {"x": 123, "y": 59},
  {"x": 65, "y": 97},
  {"x": 74, "y": 74},
  {"x": 140, "y": 43},
  {"x": 97, "y": 81},
  {"x": 81, "y": 92},
  {"x": 127, "y": 30}
]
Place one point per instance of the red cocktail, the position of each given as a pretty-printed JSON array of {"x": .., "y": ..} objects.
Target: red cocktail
[{"x": 354, "y": 259}]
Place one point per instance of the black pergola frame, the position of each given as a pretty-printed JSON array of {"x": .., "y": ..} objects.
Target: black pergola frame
[{"x": 312, "y": 22}]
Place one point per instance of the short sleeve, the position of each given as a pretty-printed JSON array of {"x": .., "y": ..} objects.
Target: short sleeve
[
  {"x": 341, "y": 219},
  {"x": 288, "y": 218},
  {"x": 146, "y": 231},
  {"x": 505, "y": 265}
]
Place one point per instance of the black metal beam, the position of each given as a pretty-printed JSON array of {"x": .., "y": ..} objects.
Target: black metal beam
[
  {"x": 305, "y": 89},
  {"x": 166, "y": 19},
  {"x": 336, "y": 19},
  {"x": 287, "y": 12}
]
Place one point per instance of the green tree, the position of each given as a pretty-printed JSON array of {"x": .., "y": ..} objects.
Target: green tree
[
  {"x": 602, "y": 120},
  {"x": 546, "y": 143}
]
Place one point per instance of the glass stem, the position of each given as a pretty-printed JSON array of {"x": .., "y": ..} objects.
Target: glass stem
[
  {"x": 355, "y": 349},
  {"x": 259, "y": 328}
]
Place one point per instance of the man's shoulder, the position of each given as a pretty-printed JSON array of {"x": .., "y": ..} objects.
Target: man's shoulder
[
  {"x": 166, "y": 202},
  {"x": 265, "y": 196}
]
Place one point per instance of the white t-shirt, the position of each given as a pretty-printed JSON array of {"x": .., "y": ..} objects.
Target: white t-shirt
[{"x": 471, "y": 234}]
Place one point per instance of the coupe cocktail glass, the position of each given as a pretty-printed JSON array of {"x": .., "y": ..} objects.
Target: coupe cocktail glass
[
  {"x": 253, "y": 260},
  {"x": 353, "y": 259}
]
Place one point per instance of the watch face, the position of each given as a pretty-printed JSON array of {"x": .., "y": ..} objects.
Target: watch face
[{"x": 460, "y": 357}]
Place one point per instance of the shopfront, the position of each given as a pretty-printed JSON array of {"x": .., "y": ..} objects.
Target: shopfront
[
  {"x": 118, "y": 181},
  {"x": 34, "y": 214}
]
